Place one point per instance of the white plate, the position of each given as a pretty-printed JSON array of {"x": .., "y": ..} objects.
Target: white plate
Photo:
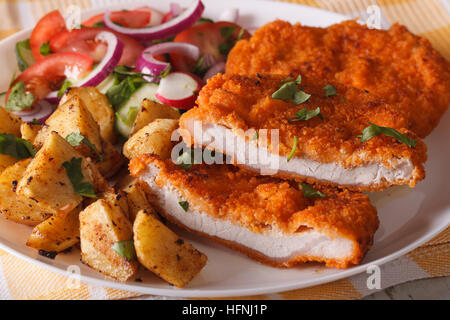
[{"x": 409, "y": 217}]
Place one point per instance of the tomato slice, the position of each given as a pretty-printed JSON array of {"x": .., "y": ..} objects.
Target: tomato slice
[
  {"x": 82, "y": 41},
  {"x": 47, "y": 74},
  {"x": 215, "y": 39},
  {"x": 45, "y": 29},
  {"x": 127, "y": 18}
]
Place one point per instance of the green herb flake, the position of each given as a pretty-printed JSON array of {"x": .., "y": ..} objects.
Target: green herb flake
[
  {"x": 289, "y": 91},
  {"x": 125, "y": 249},
  {"x": 330, "y": 90},
  {"x": 305, "y": 115},
  {"x": 205, "y": 20},
  {"x": 255, "y": 136},
  {"x": 67, "y": 84},
  {"x": 301, "y": 97},
  {"x": 227, "y": 32},
  {"x": 240, "y": 34},
  {"x": 19, "y": 99},
  {"x": 76, "y": 139},
  {"x": 16, "y": 147},
  {"x": 184, "y": 205},
  {"x": 310, "y": 192},
  {"x": 294, "y": 148},
  {"x": 225, "y": 47},
  {"x": 45, "y": 49},
  {"x": 73, "y": 169},
  {"x": 374, "y": 130}
]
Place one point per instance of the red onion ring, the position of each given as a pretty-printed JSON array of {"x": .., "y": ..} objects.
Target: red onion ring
[
  {"x": 231, "y": 15},
  {"x": 41, "y": 110},
  {"x": 215, "y": 69},
  {"x": 175, "y": 9},
  {"x": 170, "y": 28},
  {"x": 149, "y": 65},
  {"x": 103, "y": 69}
]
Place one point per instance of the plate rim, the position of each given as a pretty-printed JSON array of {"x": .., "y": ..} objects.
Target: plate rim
[{"x": 196, "y": 293}]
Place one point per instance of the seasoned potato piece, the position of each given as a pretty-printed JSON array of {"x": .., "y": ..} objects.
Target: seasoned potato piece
[
  {"x": 151, "y": 110},
  {"x": 74, "y": 117},
  {"x": 46, "y": 180},
  {"x": 41, "y": 136},
  {"x": 137, "y": 200},
  {"x": 153, "y": 138},
  {"x": 6, "y": 161},
  {"x": 29, "y": 131},
  {"x": 13, "y": 206},
  {"x": 102, "y": 225},
  {"x": 100, "y": 108},
  {"x": 57, "y": 233},
  {"x": 116, "y": 197},
  {"x": 9, "y": 122},
  {"x": 112, "y": 160},
  {"x": 164, "y": 253}
]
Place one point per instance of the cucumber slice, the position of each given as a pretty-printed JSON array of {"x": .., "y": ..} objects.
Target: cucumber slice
[
  {"x": 24, "y": 55},
  {"x": 106, "y": 84},
  {"x": 126, "y": 115}
]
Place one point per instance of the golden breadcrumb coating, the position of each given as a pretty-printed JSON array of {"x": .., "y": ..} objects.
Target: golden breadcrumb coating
[
  {"x": 396, "y": 65},
  {"x": 261, "y": 203},
  {"x": 239, "y": 102}
]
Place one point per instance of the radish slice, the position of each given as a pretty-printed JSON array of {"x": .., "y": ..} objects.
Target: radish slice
[
  {"x": 170, "y": 28},
  {"x": 40, "y": 112},
  {"x": 103, "y": 69},
  {"x": 149, "y": 65},
  {"x": 179, "y": 90},
  {"x": 215, "y": 69},
  {"x": 231, "y": 15}
]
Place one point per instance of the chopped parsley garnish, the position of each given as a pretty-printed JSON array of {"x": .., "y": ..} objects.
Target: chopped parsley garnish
[
  {"x": 19, "y": 99},
  {"x": 73, "y": 170},
  {"x": 67, "y": 84},
  {"x": 76, "y": 139},
  {"x": 294, "y": 148},
  {"x": 374, "y": 130},
  {"x": 304, "y": 115},
  {"x": 289, "y": 91},
  {"x": 330, "y": 90},
  {"x": 240, "y": 34},
  {"x": 199, "y": 69},
  {"x": 45, "y": 49},
  {"x": 186, "y": 160},
  {"x": 99, "y": 24},
  {"x": 227, "y": 32},
  {"x": 125, "y": 249},
  {"x": 16, "y": 147},
  {"x": 184, "y": 205},
  {"x": 310, "y": 192},
  {"x": 207, "y": 20},
  {"x": 122, "y": 89},
  {"x": 225, "y": 47}
]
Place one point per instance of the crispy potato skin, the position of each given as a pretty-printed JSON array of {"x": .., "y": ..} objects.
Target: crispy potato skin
[
  {"x": 99, "y": 107},
  {"x": 137, "y": 199},
  {"x": 161, "y": 251},
  {"x": 258, "y": 202},
  {"x": 153, "y": 138},
  {"x": 46, "y": 182},
  {"x": 396, "y": 65},
  {"x": 102, "y": 224},
  {"x": 243, "y": 103},
  {"x": 10, "y": 123},
  {"x": 29, "y": 131},
  {"x": 6, "y": 161},
  {"x": 57, "y": 233},
  {"x": 13, "y": 206},
  {"x": 151, "y": 110},
  {"x": 112, "y": 160}
]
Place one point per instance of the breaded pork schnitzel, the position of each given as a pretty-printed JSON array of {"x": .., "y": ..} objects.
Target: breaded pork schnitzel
[
  {"x": 318, "y": 140},
  {"x": 395, "y": 65},
  {"x": 273, "y": 221}
]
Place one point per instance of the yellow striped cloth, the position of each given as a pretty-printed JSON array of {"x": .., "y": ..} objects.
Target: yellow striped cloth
[{"x": 429, "y": 18}]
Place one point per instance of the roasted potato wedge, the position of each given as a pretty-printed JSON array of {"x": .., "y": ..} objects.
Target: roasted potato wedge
[
  {"x": 29, "y": 131},
  {"x": 153, "y": 138},
  {"x": 112, "y": 160},
  {"x": 15, "y": 207},
  {"x": 57, "y": 233},
  {"x": 46, "y": 180},
  {"x": 99, "y": 106},
  {"x": 103, "y": 224},
  {"x": 161, "y": 251},
  {"x": 10, "y": 123},
  {"x": 74, "y": 117},
  {"x": 151, "y": 110},
  {"x": 6, "y": 161},
  {"x": 137, "y": 200}
]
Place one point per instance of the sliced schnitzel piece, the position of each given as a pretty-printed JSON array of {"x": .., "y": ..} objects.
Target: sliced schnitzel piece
[
  {"x": 393, "y": 64},
  {"x": 233, "y": 112},
  {"x": 272, "y": 221}
]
